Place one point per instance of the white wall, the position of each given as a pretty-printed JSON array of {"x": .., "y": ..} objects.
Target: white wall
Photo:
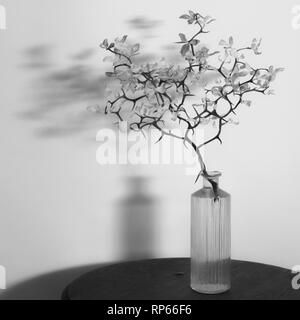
[{"x": 58, "y": 206}]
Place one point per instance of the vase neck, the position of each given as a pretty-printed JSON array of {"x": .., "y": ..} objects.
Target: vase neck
[{"x": 212, "y": 177}]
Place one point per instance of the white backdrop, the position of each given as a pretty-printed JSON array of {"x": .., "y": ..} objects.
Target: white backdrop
[{"x": 58, "y": 206}]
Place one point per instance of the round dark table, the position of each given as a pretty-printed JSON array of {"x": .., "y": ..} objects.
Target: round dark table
[{"x": 169, "y": 279}]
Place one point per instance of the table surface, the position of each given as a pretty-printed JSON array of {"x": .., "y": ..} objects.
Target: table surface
[{"x": 169, "y": 279}]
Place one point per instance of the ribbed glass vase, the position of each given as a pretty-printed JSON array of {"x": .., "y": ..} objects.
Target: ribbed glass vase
[{"x": 210, "y": 238}]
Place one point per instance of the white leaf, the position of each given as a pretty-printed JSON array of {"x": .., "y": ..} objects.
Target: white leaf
[
  {"x": 105, "y": 43},
  {"x": 124, "y": 39},
  {"x": 136, "y": 47},
  {"x": 185, "y": 16},
  {"x": 185, "y": 49},
  {"x": 182, "y": 37},
  {"x": 223, "y": 43}
]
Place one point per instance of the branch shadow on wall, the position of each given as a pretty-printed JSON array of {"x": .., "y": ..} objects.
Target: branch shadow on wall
[{"x": 60, "y": 96}]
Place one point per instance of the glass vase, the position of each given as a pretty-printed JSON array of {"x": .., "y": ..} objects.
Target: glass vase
[{"x": 210, "y": 238}]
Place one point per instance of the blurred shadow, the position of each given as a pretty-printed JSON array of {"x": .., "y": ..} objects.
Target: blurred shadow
[
  {"x": 60, "y": 95},
  {"x": 37, "y": 57},
  {"x": 46, "y": 287},
  {"x": 145, "y": 26},
  {"x": 84, "y": 54},
  {"x": 137, "y": 215}
]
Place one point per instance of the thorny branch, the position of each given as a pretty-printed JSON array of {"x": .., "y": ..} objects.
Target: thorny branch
[{"x": 158, "y": 91}]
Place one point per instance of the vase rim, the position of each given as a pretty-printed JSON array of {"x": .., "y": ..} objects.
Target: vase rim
[{"x": 213, "y": 174}]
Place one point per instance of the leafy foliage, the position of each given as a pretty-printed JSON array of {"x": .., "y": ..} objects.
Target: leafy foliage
[{"x": 153, "y": 94}]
